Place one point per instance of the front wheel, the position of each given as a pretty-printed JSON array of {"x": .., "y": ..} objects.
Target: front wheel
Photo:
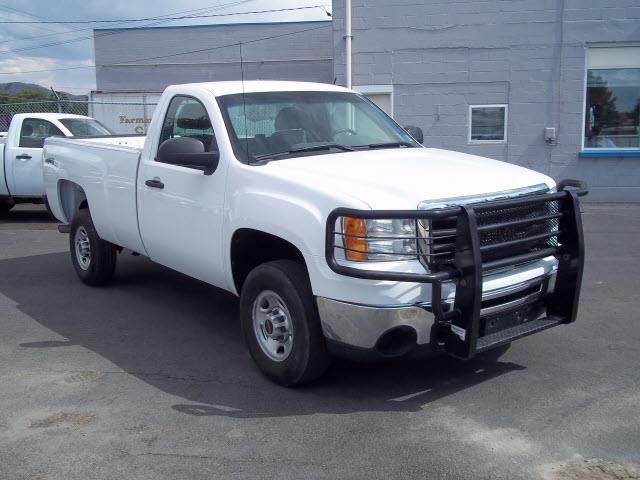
[
  {"x": 281, "y": 325},
  {"x": 93, "y": 258}
]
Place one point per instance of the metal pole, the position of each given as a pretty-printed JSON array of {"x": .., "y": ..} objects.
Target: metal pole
[
  {"x": 57, "y": 100},
  {"x": 348, "y": 37}
]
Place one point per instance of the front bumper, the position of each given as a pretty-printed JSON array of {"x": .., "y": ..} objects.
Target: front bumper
[
  {"x": 390, "y": 331},
  {"x": 362, "y": 326},
  {"x": 474, "y": 320}
]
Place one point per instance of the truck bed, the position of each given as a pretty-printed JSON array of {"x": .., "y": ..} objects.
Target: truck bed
[
  {"x": 133, "y": 141},
  {"x": 107, "y": 167}
]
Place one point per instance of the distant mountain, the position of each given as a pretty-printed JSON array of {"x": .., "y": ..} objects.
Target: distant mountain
[{"x": 17, "y": 87}]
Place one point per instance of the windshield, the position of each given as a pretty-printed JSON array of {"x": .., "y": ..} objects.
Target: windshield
[
  {"x": 85, "y": 126},
  {"x": 276, "y": 125}
]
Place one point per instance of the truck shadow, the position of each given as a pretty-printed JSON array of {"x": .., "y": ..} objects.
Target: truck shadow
[
  {"x": 182, "y": 337},
  {"x": 30, "y": 214}
]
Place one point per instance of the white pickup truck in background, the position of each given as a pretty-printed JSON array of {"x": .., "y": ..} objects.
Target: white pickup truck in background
[
  {"x": 21, "y": 152},
  {"x": 339, "y": 231}
]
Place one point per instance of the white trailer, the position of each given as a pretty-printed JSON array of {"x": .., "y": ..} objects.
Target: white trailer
[{"x": 127, "y": 113}]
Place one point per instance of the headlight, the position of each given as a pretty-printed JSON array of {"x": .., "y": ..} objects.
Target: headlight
[{"x": 379, "y": 239}]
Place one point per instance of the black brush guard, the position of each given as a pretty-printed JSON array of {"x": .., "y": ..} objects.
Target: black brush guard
[{"x": 457, "y": 327}]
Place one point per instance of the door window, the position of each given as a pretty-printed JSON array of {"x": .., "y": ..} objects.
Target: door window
[
  {"x": 35, "y": 130},
  {"x": 187, "y": 117}
]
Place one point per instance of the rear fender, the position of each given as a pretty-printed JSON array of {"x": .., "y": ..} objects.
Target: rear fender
[{"x": 70, "y": 198}]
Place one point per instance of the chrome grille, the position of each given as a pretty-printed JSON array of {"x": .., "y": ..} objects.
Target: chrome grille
[{"x": 503, "y": 232}]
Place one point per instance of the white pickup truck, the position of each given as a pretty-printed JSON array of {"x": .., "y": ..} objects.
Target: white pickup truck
[
  {"x": 21, "y": 152},
  {"x": 339, "y": 231}
]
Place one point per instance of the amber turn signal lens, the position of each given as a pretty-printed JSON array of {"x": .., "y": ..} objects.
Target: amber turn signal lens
[{"x": 355, "y": 229}]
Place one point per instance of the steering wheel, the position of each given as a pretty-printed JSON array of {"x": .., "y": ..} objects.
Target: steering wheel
[{"x": 344, "y": 130}]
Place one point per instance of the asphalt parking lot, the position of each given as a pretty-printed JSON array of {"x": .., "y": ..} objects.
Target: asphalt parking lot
[{"x": 149, "y": 379}]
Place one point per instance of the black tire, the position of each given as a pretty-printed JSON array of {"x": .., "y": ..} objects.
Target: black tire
[
  {"x": 102, "y": 255},
  {"x": 6, "y": 205},
  {"x": 308, "y": 357}
]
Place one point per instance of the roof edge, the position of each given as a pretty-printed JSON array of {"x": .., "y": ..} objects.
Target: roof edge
[{"x": 210, "y": 25}]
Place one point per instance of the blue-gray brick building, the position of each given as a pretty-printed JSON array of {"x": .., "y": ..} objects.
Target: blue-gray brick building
[
  {"x": 553, "y": 85},
  {"x": 149, "y": 59},
  {"x": 488, "y": 77},
  {"x": 134, "y": 65}
]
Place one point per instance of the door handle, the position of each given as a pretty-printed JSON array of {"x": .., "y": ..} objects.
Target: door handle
[
  {"x": 155, "y": 183},
  {"x": 24, "y": 156}
]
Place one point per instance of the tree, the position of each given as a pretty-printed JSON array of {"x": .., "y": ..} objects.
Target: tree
[{"x": 601, "y": 105}]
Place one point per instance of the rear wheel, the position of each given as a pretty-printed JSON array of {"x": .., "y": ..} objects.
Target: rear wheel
[
  {"x": 93, "y": 258},
  {"x": 281, "y": 325}
]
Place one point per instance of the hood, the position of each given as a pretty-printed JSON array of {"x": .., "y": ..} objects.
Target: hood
[{"x": 400, "y": 179}]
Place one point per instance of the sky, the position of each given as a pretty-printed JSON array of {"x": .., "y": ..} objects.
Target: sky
[{"x": 25, "y": 47}]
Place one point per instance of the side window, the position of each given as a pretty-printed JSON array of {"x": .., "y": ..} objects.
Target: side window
[
  {"x": 187, "y": 117},
  {"x": 35, "y": 130},
  {"x": 487, "y": 123}
]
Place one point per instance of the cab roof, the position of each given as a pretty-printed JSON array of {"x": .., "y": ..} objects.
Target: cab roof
[
  {"x": 253, "y": 86},
  {"x": 48, "y": 115}
]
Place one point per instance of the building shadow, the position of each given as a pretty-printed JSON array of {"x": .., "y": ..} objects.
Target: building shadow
[{"x": 182, "y": 336}]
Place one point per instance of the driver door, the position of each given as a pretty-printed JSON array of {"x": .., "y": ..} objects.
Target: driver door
[
  {"x": 181, "y": 208},
  {"x": 25, "y": 159}
]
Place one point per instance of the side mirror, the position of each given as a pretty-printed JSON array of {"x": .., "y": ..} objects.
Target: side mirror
[
  {"x": 415, "y": 132},
  {"x": 188, "y": 152}
]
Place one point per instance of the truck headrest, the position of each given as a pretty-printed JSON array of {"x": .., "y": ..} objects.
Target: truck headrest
[
  {"x": 193, "y": 116},
  {"x": 289, "y": 118}
]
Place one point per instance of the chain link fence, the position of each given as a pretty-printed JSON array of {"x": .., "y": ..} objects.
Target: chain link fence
[
  {"x": 8, "y": 110},
  {"x": 120, "y": 117}
]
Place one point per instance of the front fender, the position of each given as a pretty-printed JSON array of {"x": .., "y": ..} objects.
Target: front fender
[{"x": 295, "y": 212}]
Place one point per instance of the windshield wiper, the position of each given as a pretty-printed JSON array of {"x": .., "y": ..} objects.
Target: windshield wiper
[
  {"x": 386, "y": 145},
  {"x": 314, "y": 148}
]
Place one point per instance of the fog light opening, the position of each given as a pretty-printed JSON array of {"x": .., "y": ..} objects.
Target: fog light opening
[{"x": 397, "y": 341}]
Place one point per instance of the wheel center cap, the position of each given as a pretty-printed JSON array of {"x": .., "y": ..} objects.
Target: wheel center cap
[{"x": 268, "y": 327}]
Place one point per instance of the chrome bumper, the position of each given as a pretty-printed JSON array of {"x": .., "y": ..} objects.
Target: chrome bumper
[{"x": 363, "y": 326}]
